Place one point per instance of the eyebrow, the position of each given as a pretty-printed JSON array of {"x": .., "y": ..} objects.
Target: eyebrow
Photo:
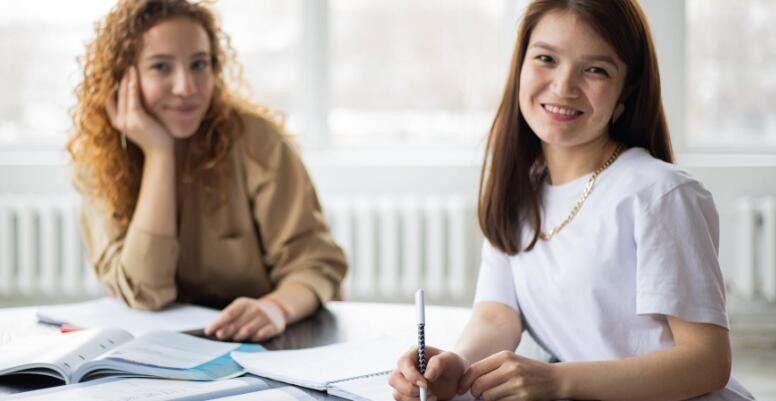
[
  {"x": 594, "y": 57},
  {"x": 163, "y": 56}
]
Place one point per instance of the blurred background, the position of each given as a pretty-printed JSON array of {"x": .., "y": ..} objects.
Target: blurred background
[{"x": 391, "y": 101}]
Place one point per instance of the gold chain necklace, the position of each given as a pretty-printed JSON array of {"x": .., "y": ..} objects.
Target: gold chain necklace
[{"x": 545, "y": 235}]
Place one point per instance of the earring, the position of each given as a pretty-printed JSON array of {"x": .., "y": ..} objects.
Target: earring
[{"x": 617, "y": 112}]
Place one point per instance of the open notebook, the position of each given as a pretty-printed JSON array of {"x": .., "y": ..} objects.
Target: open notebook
[
  {"x": 93, "y": 353},
  {"x": 327, "y": 368},
  {"x": 373, "y": 388}
]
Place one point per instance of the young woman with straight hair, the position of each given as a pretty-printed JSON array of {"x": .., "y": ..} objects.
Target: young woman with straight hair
[{"x": 596, "y": 244}]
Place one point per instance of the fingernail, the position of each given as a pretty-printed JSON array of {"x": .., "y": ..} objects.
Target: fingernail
[{"x": 422, "y": 384}]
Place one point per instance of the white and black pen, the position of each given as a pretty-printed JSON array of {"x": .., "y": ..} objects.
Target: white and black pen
[{"x": 421, "y": 306}]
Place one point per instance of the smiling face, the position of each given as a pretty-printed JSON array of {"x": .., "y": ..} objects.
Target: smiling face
[
  {"x": 176, "y": 76},
  {"x": 570, "y": 82}
]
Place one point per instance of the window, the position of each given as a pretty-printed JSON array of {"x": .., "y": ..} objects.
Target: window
[
  {"x": 731, "y": 79},
  {"x": 267, "y": 36},
  {"x": 346, "y": 73},
  {"x": 415, "y": 73},
  {"x": 39, "y": 42}
]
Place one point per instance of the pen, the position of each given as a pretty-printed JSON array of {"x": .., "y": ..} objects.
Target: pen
[
  {"x": 420, "y": 306},
  {"x": 67, "y": 329}
]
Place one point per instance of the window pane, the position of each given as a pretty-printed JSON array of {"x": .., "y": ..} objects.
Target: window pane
[
  {"x": 732, "y": 84},
  {"x": 267, "y": 35},
  {"x": 414, "y": 72},
  {"x": 39, "y": 70}
]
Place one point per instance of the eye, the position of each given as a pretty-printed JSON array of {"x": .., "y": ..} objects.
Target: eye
[
  {"x": 200, "y": 65},
  {"x": 544, "y": 58},
  {"x": 161, "y": 67},
  {"x": 598, "y": 71}
]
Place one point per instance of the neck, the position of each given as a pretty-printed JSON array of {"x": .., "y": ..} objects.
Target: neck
[
  {"x": 181, "y": 153},
  {"x": 566, "y": 164}
]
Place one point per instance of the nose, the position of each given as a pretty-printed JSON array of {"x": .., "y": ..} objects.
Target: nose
[
  {"x": 565, "y": 83},
  {"x": 184, "y": 84}
]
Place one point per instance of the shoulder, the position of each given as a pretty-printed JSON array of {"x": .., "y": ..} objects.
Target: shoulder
[
  {"x": 647, "y": 172},
  {"x": 649, "y": 180},
  {"x": 263, "y": 140}
]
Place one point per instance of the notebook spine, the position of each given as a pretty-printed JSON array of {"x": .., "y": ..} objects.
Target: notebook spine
[{"x": 383, "y": 373}]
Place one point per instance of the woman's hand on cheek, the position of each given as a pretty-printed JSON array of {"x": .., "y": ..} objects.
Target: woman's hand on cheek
[
  {"x": 508, "y": 375},
  {"x": 127, "y": 115},
  {"x": 247, "y": 319}
]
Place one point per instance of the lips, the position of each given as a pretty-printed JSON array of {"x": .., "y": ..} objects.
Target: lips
[
  {"x": 184, "y": 108},
  {"x": 561, "y": 112}
]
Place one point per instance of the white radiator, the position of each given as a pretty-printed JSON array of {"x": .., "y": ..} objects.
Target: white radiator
[
  {"x": 41, "y": 252},
  {"x": 755, "y": 273},
  {"x": 394, "y": 245}
]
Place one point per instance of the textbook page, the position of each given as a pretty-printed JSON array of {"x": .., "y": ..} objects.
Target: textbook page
[
  {"x": 111, "y": 312},
  {"x": 170, "y": 355},
  {"x": 171, "y": 350},
  {"x": 317, "y": 367},
  {"x": 59, "y": 355},
  {"x": 135, "y": 389}
]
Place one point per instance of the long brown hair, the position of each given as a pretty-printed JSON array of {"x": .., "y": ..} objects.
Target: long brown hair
[
  {"x": 510, "y": 187},
  {"x": 102, "y": 167}
]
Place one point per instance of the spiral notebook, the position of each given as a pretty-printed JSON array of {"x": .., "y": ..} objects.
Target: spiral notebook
[
  {"x": 330, "y": 367},
  {"x": 369, "y": 388}
]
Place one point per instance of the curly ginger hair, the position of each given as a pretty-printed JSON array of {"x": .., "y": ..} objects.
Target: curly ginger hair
[{"x": 105, "y": 169}]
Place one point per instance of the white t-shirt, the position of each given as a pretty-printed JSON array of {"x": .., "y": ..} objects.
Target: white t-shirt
[{"x": 643, "y": 245}]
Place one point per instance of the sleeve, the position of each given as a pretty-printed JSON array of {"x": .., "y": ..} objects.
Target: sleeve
[
  {"x": 295, "y": 238},
  {"x": 677, "y": 269},
  {"x": 134, "y": 265},
  {"x": 495, "y": 282}
]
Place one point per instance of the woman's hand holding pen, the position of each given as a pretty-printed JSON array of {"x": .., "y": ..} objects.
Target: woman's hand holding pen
[
  {"x": 443, "y": 373},
  {"x": 128, "y": 115},
  {"x": 506, "y": 375}
]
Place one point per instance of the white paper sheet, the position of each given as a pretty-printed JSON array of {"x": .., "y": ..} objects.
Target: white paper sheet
[
  {"x": 111, "y": 312},
  {"x": 135, "y": 389}
]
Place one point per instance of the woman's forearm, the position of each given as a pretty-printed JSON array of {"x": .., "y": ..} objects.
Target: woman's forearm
[
  {"x": 155, "y": 212},
  {"x": 297, "y": 299},
  {"x": 678, "y": 373},
  {"x": 493, "y": 327}
]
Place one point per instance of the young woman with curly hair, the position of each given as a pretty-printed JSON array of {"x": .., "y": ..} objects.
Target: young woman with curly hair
[
  {"x": 190, "y": 193},
  {"x": 596, "y": 244}
]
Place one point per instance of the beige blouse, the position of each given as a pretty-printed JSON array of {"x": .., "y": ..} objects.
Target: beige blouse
[{"x": 270, "y": 231}]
